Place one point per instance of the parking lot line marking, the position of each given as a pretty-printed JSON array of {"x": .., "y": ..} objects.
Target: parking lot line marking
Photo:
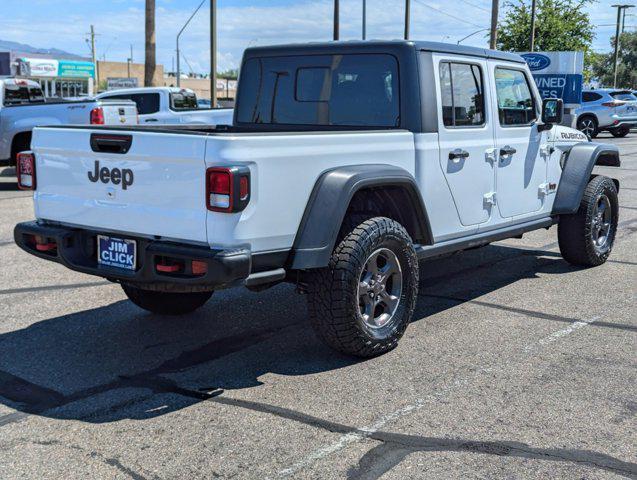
[
  {"x": 54, "y": 287},
  {"x": 365, "y": 432}
]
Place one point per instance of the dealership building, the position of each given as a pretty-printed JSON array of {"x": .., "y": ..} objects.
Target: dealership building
[{"x": 60, "y": 76}]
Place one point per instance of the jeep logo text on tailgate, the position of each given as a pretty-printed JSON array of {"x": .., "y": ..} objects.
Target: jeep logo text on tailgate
[{"x": 115, "y": 176}]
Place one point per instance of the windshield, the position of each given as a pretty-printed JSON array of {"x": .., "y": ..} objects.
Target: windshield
[
  {"x": 333, "y": 90},
  {"x": 20, "y": 94}
]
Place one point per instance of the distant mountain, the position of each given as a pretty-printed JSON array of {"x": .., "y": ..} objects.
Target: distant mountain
[{"x": 24, "y": 48}]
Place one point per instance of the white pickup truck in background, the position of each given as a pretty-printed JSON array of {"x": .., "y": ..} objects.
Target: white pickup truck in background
[
  {"x": 23, "y": 107},
  {"x": 170, "y": 105}
]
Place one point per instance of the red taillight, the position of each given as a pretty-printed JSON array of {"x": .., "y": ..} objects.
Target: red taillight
[
  {"x": 25, "y": 170},
  {"x": 227, "y": 189},
  {"x": 97, "y": 116},
  {"x": 612, "y": 104}
]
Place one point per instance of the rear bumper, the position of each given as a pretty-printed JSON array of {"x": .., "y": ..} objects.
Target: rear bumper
[{"x": 77, "y": 250}]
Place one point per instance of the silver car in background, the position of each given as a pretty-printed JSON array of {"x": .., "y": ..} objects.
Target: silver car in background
[{"x": 607, "y": 109}]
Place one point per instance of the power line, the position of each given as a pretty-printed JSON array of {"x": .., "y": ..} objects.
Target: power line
[
  {"x": 448, "y": 14},
  {"x": 476, "y": 6}
]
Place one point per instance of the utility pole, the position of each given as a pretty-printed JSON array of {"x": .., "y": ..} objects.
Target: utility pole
[
  {"x": 131, "y": 53},
  {"x": 364, "y": 19},
  {"x": 407, "y": 15},
  {"x": 493, "y": 39},
  {"x": 336, "y": 20},
  {"x": 532, "y": 39},
  {"x": 93, "y": 58},
  {"x": 621, "y": 9},
  {"x": 213, "y": 53},
  {"x": 150, "y": 60}
]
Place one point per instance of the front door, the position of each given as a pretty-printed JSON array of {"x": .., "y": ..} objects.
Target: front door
[
  {"x": 466, "y": 137},
  {"x": 521, "y": 166}
]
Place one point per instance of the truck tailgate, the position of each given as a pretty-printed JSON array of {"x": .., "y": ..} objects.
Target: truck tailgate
[{"x": 155, "y": 188}]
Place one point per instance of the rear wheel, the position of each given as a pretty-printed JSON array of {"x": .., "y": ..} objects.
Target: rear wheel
[
  {"x": 588, "y": 126},
  {"x": 166, "y": 303},
  {"x": 586, "y": 238},
  {"x": 620, "y": 132},
  {"x": 362, "y": 302}
]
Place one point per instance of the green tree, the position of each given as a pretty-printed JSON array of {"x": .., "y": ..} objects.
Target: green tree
[
  {"x": 231, "y": 74},
  {"x": 560, "y": 25},
  {"x": 604, "y": 67}
]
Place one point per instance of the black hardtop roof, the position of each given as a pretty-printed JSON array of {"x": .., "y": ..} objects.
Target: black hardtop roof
[{"x": 359, "y": 46}]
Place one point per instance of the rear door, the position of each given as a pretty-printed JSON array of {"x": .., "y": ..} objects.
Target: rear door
[
  {"x": 521, "y": 166},
  {"x": 126, "y": 181},
  {"x": 466, "y": 136}
]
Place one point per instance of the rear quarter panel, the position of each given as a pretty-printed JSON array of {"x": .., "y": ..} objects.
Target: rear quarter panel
[{"x": 284, "y": 169}]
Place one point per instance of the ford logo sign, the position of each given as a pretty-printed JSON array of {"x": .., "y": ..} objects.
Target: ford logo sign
[{"x": 536, "y": 61}]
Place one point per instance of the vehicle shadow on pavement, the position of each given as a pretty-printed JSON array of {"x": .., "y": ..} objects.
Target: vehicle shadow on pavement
[{"x": 110, "y": 363}]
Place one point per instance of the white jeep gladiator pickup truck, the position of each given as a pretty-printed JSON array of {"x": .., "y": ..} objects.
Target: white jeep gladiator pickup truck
[
  {"x": 170, "y": 105},
  {"x": 346, "y": 164},
  {"x": 23, "y": 107}
]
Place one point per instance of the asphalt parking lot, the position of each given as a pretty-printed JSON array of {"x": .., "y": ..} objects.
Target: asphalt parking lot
[{"x": 518, "y": 366}]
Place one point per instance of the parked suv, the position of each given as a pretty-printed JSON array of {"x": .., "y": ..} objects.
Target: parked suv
[
  {"x": 611, "y": 110},
  {"x": 346, "y": 164}
]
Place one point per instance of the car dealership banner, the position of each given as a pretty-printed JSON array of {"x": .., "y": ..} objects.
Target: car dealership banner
[
  {"x": 558, "y": 74},
  {"x": 48, "y": 67}
]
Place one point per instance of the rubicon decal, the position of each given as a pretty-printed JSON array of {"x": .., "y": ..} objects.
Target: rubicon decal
[
  {"x": 536, "y": 61},
  {"x": 116, "y": 176}
]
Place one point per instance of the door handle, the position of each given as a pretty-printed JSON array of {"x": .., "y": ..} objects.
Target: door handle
[
  {"x": 457, "y": 154},
  {"x": 150, "y": 120},
  {"x": 504, "y": 151}
]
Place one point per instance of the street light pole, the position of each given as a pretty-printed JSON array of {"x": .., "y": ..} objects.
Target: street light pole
[
  {"x": 532, "y": 40},
  {"x": 179, "y": 35},
  {"x": 213, "y": 53},
  {"x": 407, "y": 18},
  {"x": 336, "y": 20},
  {"x": 471, "y": 35},
  {"x": 364, "y": 19},
  {"x": 620, "y": 9}
]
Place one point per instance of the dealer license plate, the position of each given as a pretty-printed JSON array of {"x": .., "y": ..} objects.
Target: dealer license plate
[{"x": 116, "y": 252}]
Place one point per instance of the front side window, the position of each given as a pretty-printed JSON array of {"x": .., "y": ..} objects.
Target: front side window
[
  {"x": 590, "y": 97},
  {"x": 354, "y": 90},
  {"x": 516, "y": 105},
  {"x": 462, "y": 95}
]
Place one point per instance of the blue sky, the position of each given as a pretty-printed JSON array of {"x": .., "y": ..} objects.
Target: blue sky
[{"x": 119, "y": 23}]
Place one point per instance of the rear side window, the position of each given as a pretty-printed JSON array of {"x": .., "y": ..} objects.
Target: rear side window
[
  {"x": 147, "y": 103},
  {"x": 516, "y": 105},
  {"x": 183, "y": 101},
  {"x": 590, "y": 97},
  {"x": 357, "y": 90},
  {"x": 462, "y": 95},
  {"x": 626, "y": 96}
]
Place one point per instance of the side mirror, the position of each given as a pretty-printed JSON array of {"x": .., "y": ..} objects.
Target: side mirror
[{"x": 552, "y": 111}]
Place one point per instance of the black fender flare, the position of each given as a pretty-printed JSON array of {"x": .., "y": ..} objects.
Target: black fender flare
[
  {"x": 328, "y": 204},
  {"x": 580, "y": 161}
]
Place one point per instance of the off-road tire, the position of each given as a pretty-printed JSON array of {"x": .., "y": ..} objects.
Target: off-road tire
[
  {"x": 166, "y": 303},
  {"x": 588, "y": 125},
  {"x": 333, "y": 297},
  {"x": 620, "y": 132},
  {"x": 575, "y": 232}
]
